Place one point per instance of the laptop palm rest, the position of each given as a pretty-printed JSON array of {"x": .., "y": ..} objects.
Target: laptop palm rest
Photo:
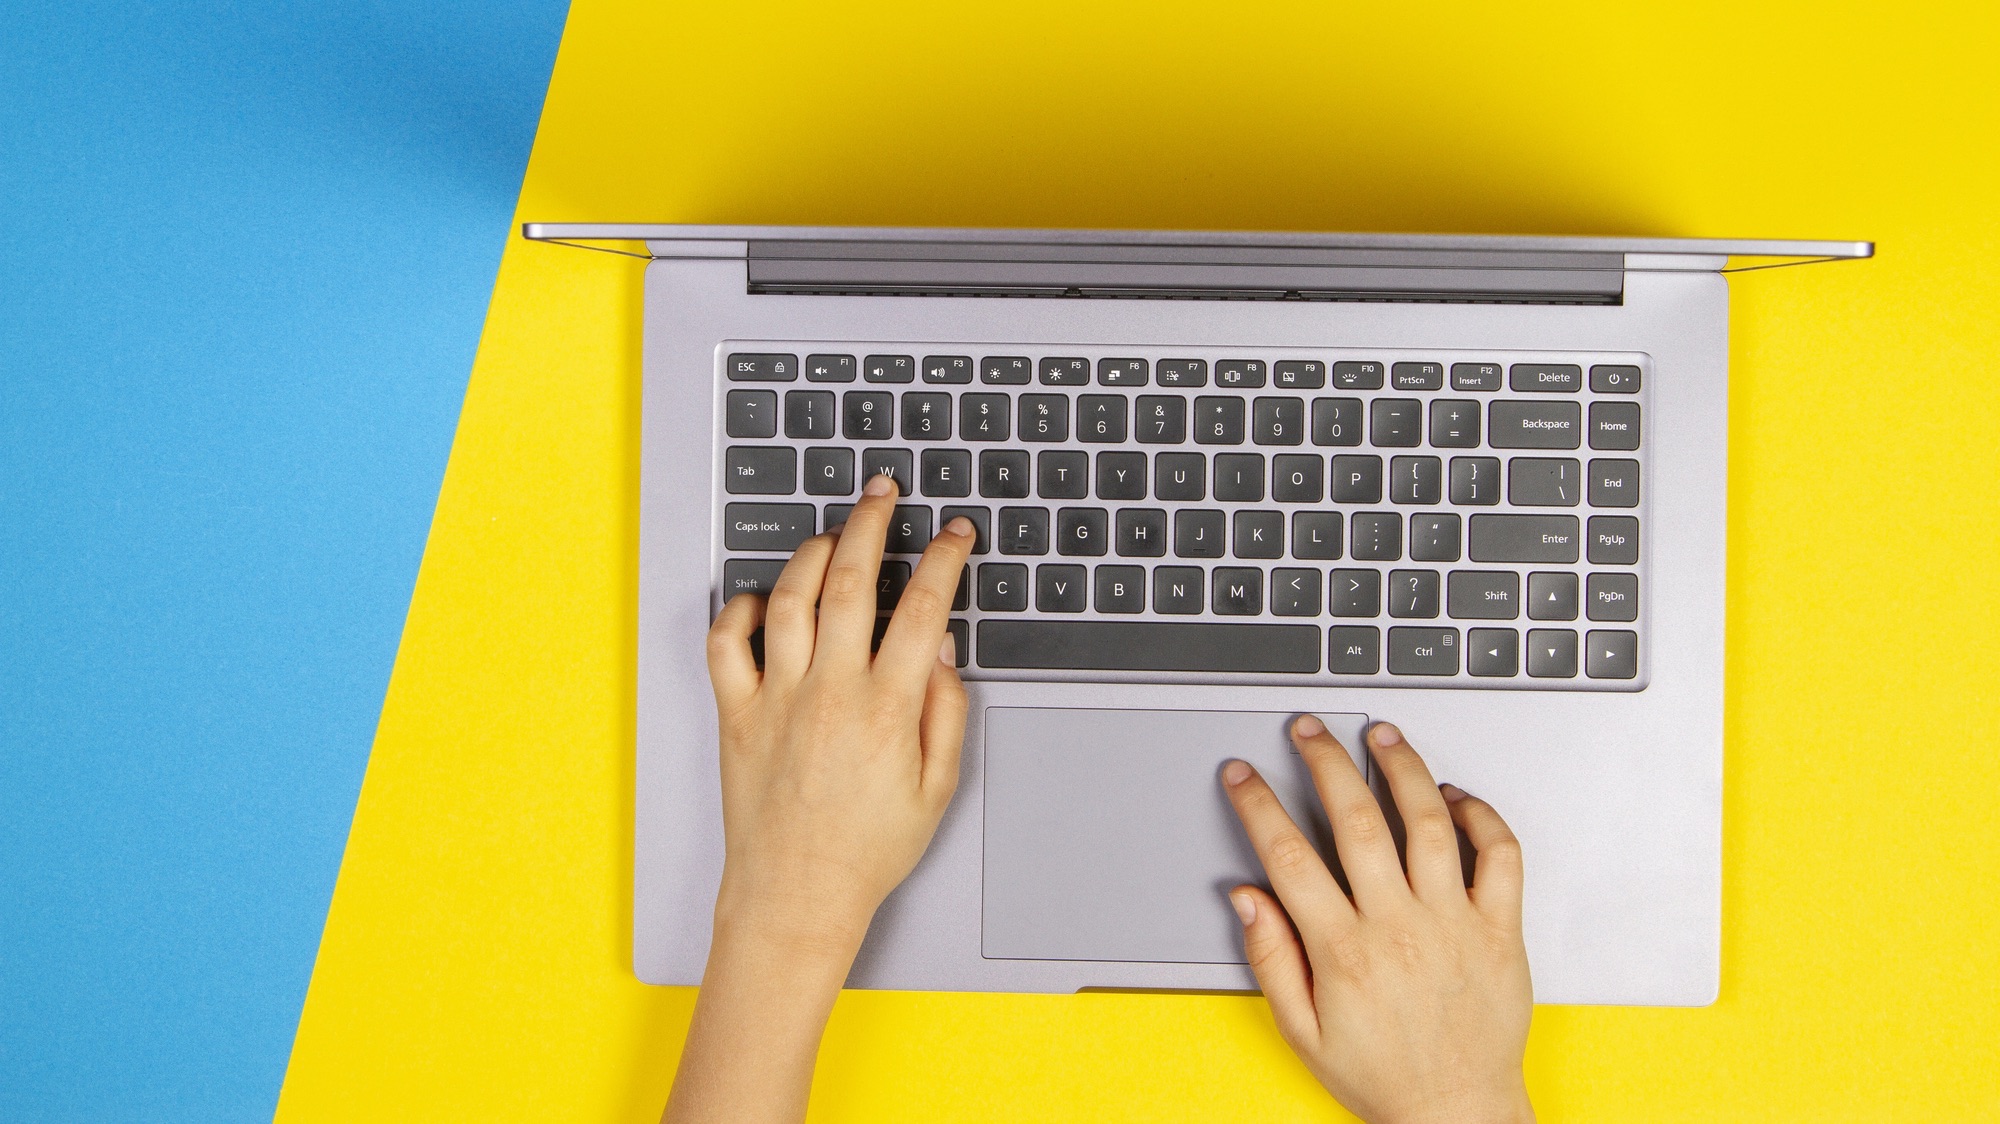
[{"x": 1109, "y": 837}]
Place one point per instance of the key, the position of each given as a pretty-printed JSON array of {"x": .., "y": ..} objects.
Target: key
[
  {"x": 1395, "y": 422},
  {"x": 1239, "y": 477},
  {"x": 960, "y": 601},
  {"x": 1161, "y": 419},
  {"x": 1239, "y": 374},
  {"x": 1260, "y": 534},
  {"x": 982, "y": 520},
  {"x": 1614, "y": 483},
  {"x": 1475, "y": 480},
  {"x": 1355, "y": 593},
  {"x": 1177, "y": 590},
  {"x": 751, "y": 413},
  {"x": 1375, "y": 536},
  {"x": 1434, "y": 536},
  {"x": 1218, "y": 420},
  {"x": 1357, "y": 376},
  {"x": 983, "y": 417},
  {"x": 1336, "y": 421},
  {"x": 766, "y": 526},
  {"x": 1483, "y": 595},
  {"x": 750, "y": 575},
  {"x": 1413, "y": 593},
  {"x": 1475, "y": 376},
  {"x": 1005, "y": 370},
  {"x": 1423, "y": 651},
  {"x": 1278, "y": 421},
  {"x": 1141, "y": 532},
  {"x": 1514, "y": 424},
  {"x": 1150, "y": 646},
  {"x": 865, "y": 415},
  {"x": 1294, "y": 593},
  {"x": 1551, "y": 596},
  {"x": 1183, "y": 372},
  {"x": 1180, "y": 476},
  {"x": 1299, "y": 374},
  {"x": 890, "y": 582},
  {"x": 1237, "y": 591},
  {"x": 1062, "y": 474},
  {"x": 1100, "y": 418},
  {"x": 1524, "y": 538},
  {"x": 1003, "y": 587},
  {"x": 893, "y": 463},
  {"x": 1557, "y": 378},
  {"x": 1612, "y": 597},
  {"x": 1551, "y": 653},
  {"x": 809, "y": 414},
  {"x": 1416, "y": 376},
  {"x": 1611, "y": 654},
  {"x": 1023, "y": 530},
  {"x": 1613, "y": 378},
  {"x": 1065, "y": 371},
  {"x": 1454, "y": 424},
  {"x": 1121, "y": 372},
  {"x": 1614, "y": 540},
  {"x": 1083, "y": 531},
  {"x": 961, "y": 640},
  {"x": 1058, "y": 589},
  {"x": 1315, "y": 535},
  {"x": 830, "y": 368},
  {"x": 947, "y": 473},
  {"x": 1357, "y": 478},
  {"x": 1416, "y": 480},
  {"x": 1544, "y": 482},
  {"x": 1295, "y": 478},
  {"x": 947, "y": 368},
  {"x": 1121, "y": 476},
  {"x": 1614, "y": 425},
  {"x": 1354, "y": 649},
  {"x": 1044, "y": 417},
  {"x": 926, "y": 417},
  {"x": 1198, "y": 533},
  {"x": 1120, "y": 589},
  {"x": 888, "y": 368},
  {"x": 829, "y": 472},
  {"x": 748, "y": 367},
  {"x": 760, "y": 471},
  {"x": 1492, "y": 652},
  {"x": 1003, "y": 474}
]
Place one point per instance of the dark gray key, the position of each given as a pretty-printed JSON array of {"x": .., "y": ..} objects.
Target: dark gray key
[
  {"x": 1218, "y": 420},
  {"x": 1552, "y": 596},
  {"x": 1544, "y": 482},
  {"x": 1180, "y": 476},
  {"x": 1355, "y": 593},
  {"x": 1023, "y": 530},
  {"x": 1060, "y": 589},
  {"x": 829, "y": 472},
  {"x": 1239, "y": 477},
  {"x": 1003, "y": 587},
  {"x": 1100, "y": 418},
  {"x": 750, "y": 575},
  {"x": 1614, "y": 540},
  {"x": 1182, "y": 372},
  {"x": 947, "y": 473},
  {"x": 830, "y": 368},
  {"x": 1120, "y": 589},
  {"x": 1149, "y": 646},
  {"x": 1295, "y": 592},
  {"x": 1396, "y": 423},
  {"x": 1614, "y": 483},
  {"x": 947, "y": 369},
  {"x": 1354, "y": 649},
  {"x": 983, "y": 417},
  {"x": 1547, "y": 378},
  {"x": 1416, "y": 480},
  {"x": 1299, "y": 374},
  {"x": 1611, "y": 654},
  {"x": 1454, "y": 423},
  {"x": 809, "y": 414},
  {"x": 982, "y": 524},
  {"x": 1062, "y": 474},
  {"x": 1483, "y": 595},
  {"x": 1260, "y": 534},
  {"x": 1358, "y": 375},
  {"x": 1614, "y": 378},
  {"x": 1551, "y": 653},
  {"x": 752, "y": 367},
  {"x": 1121, "y": 476},
  {"x": 1612, "y": 597},
  {"x": 864, "y": 415},
  {"x": 1177, "y": 590},
  {"x": 1492, "y": 653},
  {"x": 753, "y": 413},
  {"x": 1375, "y": 536},
  {"x": 1296, "y": 478},
  {"x": 960, "y": 633},
  {"x": 1516, "y": 424},
  {"x": 1005, "y": 370},
  {"x": 1239, "y": 374},
  {"x": 1434, "y": 536},
  {"x": 1413, "y": 593},
  {"x": 1475, "y": 376},
  {"x": 1236, "y": 591},
  {"x": 1065, "y": 371},
  {"x": 750, "y": 470},
  {"x": 1198, "y": 533},
  {"x": 1316, "y": 535},
  {"x": 1140, "y": 532},
  {"x": 909, "y": 530},
  {"x": 893, "y": 463},
  {"x": 1357, "y": 478},
  {"x": 889, "y": 368},
  {"x": 1423, "y": 651},
  {"x": 926, "y": 417},
  {"x": 1416, "y": 376},
  {"x": 1524, "y": 538},
  {"x": 1336, "y": 421},
  {"x": 766, "y": 526},
  {"x": 1160, "y": 419},
  {"x": 890, "y": 582},
  {"x": 1278, "y": 421},
  {"x": 1121, "y": 372},
  {"x": 1003, "y": 474},
  {"x": 1044, "y": 417},
  {"x": 1614, "y": 425},
  {"x": 1083, "y": 531},
  {"x": 1475, "y": 480},
  {"x": 962, "y": 599}
]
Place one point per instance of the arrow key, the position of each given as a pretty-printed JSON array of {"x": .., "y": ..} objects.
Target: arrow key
[
  {"x": 1493, "y": 652},
  {"x": 1552, "y": 596},
  {"x": 1552, "y": 653},
  {"x": 1612, "y": 654}
]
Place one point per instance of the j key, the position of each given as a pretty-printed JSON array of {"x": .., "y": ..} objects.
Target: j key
[
  {"x": 864, "y": 415},
  {"x": 766, "y": 526},
  {"x": 1434, "y": 536},
  {"x": 1316, "y": 535},
  {"x": 1423, "y": 651},
  {"x": 1612, "y": 597},
  {"x": 1141, "y": 532},
  {"x": 1614, "y": 540},
  {"x": 1260, "y": 534},
  {"x": 1177, "y": 590},
  {"x": 1023, "y": 530},
  {"x": 1278, "y": 421},
  {"x": 909, "y": 526},
  {"x": 1375, "y": 536},
  {"x": 1475, "y": 376},
  {"x": 1183, "y": 372},
  {"x": 1355, "y": 593},
  {"x": 1296, "y": 478},
  {"x": 1551, "y": 653},
  {"x": 1150, "y": 646},
  {"x": 893, "y": 463},
  {"x": 1161, "y": 419},
  {"x": 1236, "y": 591},
  {"x": 1558, "y": 378},
  {"x": 983, "y": 417},
  {"x": 752, "y": 413},
  {"x": 829, "y": 472},
  {"x": 888, "y": 368},
  {"x": 750, "y": 575},
  {"x": 1121, "y": 372},
  {"x": 1121, "y": 476},
  {"x": 947, "y": 368},
  {"x": 1239, "y": 477},
  {"x": 1416, "y": 376},
  {"x": 1239, "y": 374},
  {"x": 1492, "y": 652},
  {"x": 1003, "y": 587},
  {"x": 1198, "y": 533},
  {"x": 1475, "y": 480},
  {"x": 1062, "y": 474},
  {"x": 1065, "y": 371},
  {"x": 1454, "y": 424},
  {"x": 1003, "y": 474},
  {"x": 1044, "y": 417},
  {"x": 1218, "y": 420},
  {"x": 1357, "y": 376},
  {"x": 744, "y": 367},
  {"x": 1524, "y": 538},
  {"x": 1100, "y": 418},
  {"x": 1059, "y": 589},
  {"x": 1611, "y": 378},
  {"x": 1005, "y": 370},
  {"x": 1120, "y": 589},
  {"x": 830, "y": 368},
  {"x": 982, "y": 524},
  {"x": 1544, "y": 482},
  {"x": 1295, "y": 593},
  {"x": 1486, "y": 595},
  {"x": 1354, "y": 649},
  {"x": 1534, "y": 425},
  {"x": 749, "y": 470},
  {"x": 1552, "y": 596},
  {"x": 1413, "y": 593},
  {"x": 1357, "y": 478},
  {"x": 926, "y": 417},
  {"x": 1614, "y": 425},
  {"x": 947, "y": 473},
  {"x": 1416, "y": 480},
  {"x": 1614, "y": 483},
  {"x": 1611, "y": 654},
  {"x": 1180, "y": 476},
  {"x": 809, "y": 414},
  {"x": 1082, "y": 531},
  {"x": 1395, "y": 422},
  {"x": 1299, "y": 374},
  {"x": 1336, "y": 421},
  {"x": 890, "y": 582}
]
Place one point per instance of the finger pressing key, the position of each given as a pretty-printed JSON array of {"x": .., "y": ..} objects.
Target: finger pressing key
[
  {"x": 847, "y": 600},
  {"x": 917, "y": 629}
]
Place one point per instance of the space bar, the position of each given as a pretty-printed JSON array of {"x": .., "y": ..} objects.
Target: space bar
[{"x": 1149, "y": 646}]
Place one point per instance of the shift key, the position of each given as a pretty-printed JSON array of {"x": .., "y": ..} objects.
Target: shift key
[
  {"x": 1524, "y": 538},
  {"x": 766, "y": 526}
]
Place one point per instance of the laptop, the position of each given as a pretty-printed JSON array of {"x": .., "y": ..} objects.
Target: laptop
[{"x": 1473, "y": 485}]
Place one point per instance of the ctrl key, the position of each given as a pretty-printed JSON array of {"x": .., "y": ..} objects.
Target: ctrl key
[
  {"x": 1423, "y": 651},
  {"x": 766, "y": 526}
]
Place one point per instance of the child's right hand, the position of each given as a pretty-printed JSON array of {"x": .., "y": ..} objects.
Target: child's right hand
[{"x": 1410, "y": 999}]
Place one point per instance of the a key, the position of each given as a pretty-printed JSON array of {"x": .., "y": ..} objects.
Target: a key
[
  {"x": 1278, "y": 421},
  {"x": 1044, "y": 417},
  {"x": 1316, "y": 535},
  {"x": 888, "y": 368},
  {"x": 1023, "y": 530},
  {"x": 751, "y": 413},
  {"x": 926, "y": 417},
  {"x": 1299, "y": 374},
  {"x": 1239, "y": 374},
  {"x": 1295, "y": 478},
  {"x": 983, "y": 417},
  {"x": 1150, "y": 646},
  {"x": 1294, "y": 592},
  {"x": 947, "y": 368},
  {"x": 1416, "y": 376},
  {"x": 1475, "y": 480},
  {"x": 1375, "y": 536},
  {"x": 1005, "y": 370},
  {"x": 1260, "y": 534},
  {"x": 1121, "y": 372},
  {"x": 1198, "y": 533},
  {"x": 1065, "y": 371},
  {"x": 1614, "y": 378},
  {"x": 1492, "y": 652},
  {"x": 981, "y": 519},
  {"x": 864, "y": 415},
  {"x": 1357, "y": 478},
  {"x": 1059, "y": 589},
  {"x": 1483, "y": 595},
  {"x": 750, "y": 575},
  {"x": 1552, "y": 596},
  {"x": 1614, "y": 483},
  {"x": 1358, "y": 375},
  {"x": 1544, "y": 482},
  {"x": 1182, "y": 372},
  {"x": 830, "y": 368},
  {"x": 748, "y": 367},
  {"x": 1612, "y": 597},
  {"x": 829, "y": 472},
  {"x": 1454, "y": 424},
  {"x": 1434, "y": 536},
  {"x": 1355, "y": 593},
  {"x": 760, "y": 471},
  {"x": 1160, "y": 419},
  {"x": 947, "y": 473},
  {"x": 1236, "y": 591},
  {"x": 1611, "y": 654},
  {"x": 809, "y": 414},
  {"x": 1515, "y": 424},
  {"x": 1003, "y": 587},
  {"x": 1614, "y": 425},
  {"x": 1062, "y": 474},
  {"x": 1120, "y": 589},
  {"x": 1524, "y": 538},
  {"x": 1395, "y": 422},
  {"x": 766, "y": 526},
  {"x": 890, "y": 582},
  {"x": 1475, "y": 376},
  {"x": 1546, "y": 378},
  {"x": 1423, "y": 651},
  {"x": 1140, "y": 532},
  {"x": 1614, "y": 540},
  {"x": 1100, "y": 418},
  {"x": 1180, "y": 476},
  {"x": 1177, "y": 590},
  {"x": 1218, "y": 420},
  {"x": 1003, "y": 474},
  {"x": 1121, "y": 476},
  {"x": 1336, "y": 421},
  {"x": 1082, "y": 531},
  {"x": 1354, "y": 649},
  {"x": 1413, "y": 593},
  {"x": 1416, "y": 480},
  {"x": 1551, "y": 653},
  {"x": 893, "y": 463},
  {"x": 1239, "y": 477}
]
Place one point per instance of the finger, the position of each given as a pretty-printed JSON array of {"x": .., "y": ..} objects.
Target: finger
[
  {"x": 1430, "y": 842},
  {"x": 791, "y": 612},
  {"x": 732, "y": 670},
  {"x": 848, "y": 597},
  {"x": 1360, "y": 832},
  {"x": 916, "y": 628},
  {"x": 1497, "y": 876},
  {"x": 942, "y": 729},
  {"x": 1297, "y": 873},
  {"x": 1278, "y": 961}
]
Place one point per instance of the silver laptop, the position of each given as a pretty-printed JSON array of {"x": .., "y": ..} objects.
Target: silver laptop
[{"x": 1474, "y": 485}]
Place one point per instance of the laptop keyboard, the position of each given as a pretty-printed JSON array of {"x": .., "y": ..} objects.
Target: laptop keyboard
[{"x": 1319, "y": 516}]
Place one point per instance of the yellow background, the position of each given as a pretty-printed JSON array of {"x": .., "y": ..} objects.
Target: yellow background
[{"x": 475, "y": 963}]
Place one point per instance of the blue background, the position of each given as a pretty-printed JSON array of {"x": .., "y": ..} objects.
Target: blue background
[{"x": 247, "y": 259}]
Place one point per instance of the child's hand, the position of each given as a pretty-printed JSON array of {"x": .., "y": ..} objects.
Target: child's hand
[{"x": 1409, "y": 1000}]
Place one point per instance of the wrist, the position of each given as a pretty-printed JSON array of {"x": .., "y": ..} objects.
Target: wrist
[{"x": 794, "y": 929}]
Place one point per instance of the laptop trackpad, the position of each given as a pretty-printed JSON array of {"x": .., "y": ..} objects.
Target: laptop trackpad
[{"x": 1108, "y": 836}]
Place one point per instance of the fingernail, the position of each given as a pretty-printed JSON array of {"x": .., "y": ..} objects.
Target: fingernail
[
  {"x": 1451, "y": 792},
  {"x": 960, "y": 526},
  {"x": 948, "y": 652},
  {"x": 882, "y": 485},
  {"x": 1309, "y": 727},
  {"x": 1384, "y": 733},
  {"x": 1246, "y": 907},
  {"x": 1235, "y": 773}
]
